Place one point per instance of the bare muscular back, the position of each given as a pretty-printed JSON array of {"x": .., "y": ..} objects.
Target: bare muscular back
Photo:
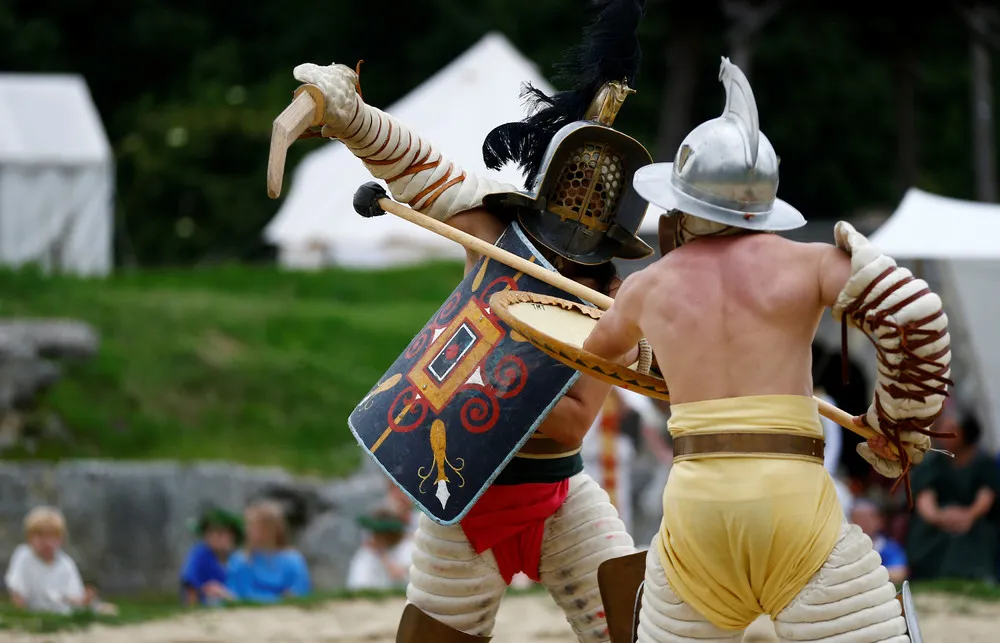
[{"x": 736, "y": 316}]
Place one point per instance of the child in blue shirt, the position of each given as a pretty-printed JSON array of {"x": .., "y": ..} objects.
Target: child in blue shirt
[
  {"x": 203, "y": 577},
  {"x": 267, "y": 569},
  {"x": 867, "y": 515}
]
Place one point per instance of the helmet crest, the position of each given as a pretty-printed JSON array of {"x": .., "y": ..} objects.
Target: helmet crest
[{"x": 741, "y": 107}]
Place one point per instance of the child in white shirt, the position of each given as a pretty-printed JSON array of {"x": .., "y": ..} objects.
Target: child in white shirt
[
  {"x": 383, "y": 561},
  {"x": 41, "y": 576}
]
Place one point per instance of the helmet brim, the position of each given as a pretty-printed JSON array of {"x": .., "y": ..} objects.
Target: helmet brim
[{"x": 653, "y": 183}]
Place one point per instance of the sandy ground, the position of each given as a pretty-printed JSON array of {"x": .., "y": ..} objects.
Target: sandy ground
[{"x": 522, "y": 619}]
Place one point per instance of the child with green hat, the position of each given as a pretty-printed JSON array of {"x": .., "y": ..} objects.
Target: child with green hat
[
  {"x": 383, "y": 561},
  {"x": 203, "y": 577}
]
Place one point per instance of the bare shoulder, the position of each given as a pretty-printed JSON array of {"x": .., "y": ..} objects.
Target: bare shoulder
[
  {"x": 641, "y": 283},
  {"x": 479, "y": 223},
  {"x": 833, "y": 267}
]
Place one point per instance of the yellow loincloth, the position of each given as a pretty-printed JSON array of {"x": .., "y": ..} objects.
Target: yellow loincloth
[{"x": 742, "y": 535}]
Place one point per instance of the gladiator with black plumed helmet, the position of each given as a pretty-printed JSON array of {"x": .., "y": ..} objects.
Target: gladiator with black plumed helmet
[{"x": 579, "y": 200}]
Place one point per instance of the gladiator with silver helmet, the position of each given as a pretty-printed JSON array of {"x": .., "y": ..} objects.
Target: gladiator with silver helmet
[
  {"x": 511, "y": 494},
  {"x": 751, "y": 523},
  {"x": 724, "y": 178}
]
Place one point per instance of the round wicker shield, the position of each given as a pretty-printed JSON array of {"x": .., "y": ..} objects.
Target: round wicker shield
[{"x": 559, "y": 327}]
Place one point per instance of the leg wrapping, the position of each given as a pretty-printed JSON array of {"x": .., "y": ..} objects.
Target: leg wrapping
[
  {"x": 665, "y": 618},
  {"x": 582, "y": 534},
  {"x": 450, "y": 582},
  {"x": 849, "y": 600}
]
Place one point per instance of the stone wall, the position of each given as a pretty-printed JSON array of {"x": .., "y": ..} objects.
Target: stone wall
[{"x": 129, "y": 522}]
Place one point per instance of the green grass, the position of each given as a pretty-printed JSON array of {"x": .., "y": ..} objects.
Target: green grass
[
  {"x": 150, "y": 608},
  {"x": 249, "y": 364},
  {"x": 969, "y": 589},
  {"x": 129, "y": 612}
]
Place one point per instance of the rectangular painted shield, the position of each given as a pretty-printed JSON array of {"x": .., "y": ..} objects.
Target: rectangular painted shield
[{"x": 465, "y": 394}]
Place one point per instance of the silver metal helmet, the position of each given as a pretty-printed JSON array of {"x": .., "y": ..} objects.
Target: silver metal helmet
[{"x": 725, "y": 170}]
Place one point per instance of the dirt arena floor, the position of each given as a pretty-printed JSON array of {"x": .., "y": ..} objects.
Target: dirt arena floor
[{"x": 522, "y": 619}]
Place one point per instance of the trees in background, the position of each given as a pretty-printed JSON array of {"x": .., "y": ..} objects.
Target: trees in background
[
  {"x": 983, "y": 22},
  {"x": 188, "y": 89}
]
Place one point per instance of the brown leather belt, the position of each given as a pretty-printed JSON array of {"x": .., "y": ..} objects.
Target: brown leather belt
[
  {"x": 748, "y": 444},
  {"x": 543, "y": 447}
]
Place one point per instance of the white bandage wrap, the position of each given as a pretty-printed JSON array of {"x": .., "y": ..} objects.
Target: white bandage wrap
[
  {"x": 665, "y": 618},
  {"x": 582, "y": 534},
  {"x": 450, "y": 582},
  {"x": 905, "y": 321},
  {"x": 416, "y": 173},
  {"x": 849, "y": 600}
]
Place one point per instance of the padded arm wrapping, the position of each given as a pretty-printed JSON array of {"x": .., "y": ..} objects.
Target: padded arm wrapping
[
  {"x": 907, "y": 325},
  {"x": 416, "y": 173}
]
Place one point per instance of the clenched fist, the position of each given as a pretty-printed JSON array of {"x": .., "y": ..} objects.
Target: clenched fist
[
  {"x": 339, "y": 84},
  {"x": 879, "y": 453}
]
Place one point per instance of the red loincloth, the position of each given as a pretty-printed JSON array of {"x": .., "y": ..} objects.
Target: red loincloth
[{"x": 510, "y": 520}]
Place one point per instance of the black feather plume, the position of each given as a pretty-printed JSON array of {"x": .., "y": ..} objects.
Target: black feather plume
[{"x": 609, "y": 51}]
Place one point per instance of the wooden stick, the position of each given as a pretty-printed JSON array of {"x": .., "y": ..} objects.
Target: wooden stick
[
  {"x": 602, "y": 301},
  {"x": 305, "y": 111},
  {"x": 476, "y": 244}
]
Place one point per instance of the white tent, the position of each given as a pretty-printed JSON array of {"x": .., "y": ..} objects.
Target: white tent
[
  {"x": 454, "y": 109},
  {"x": 56, "y": 176},
  {"x": 928, "y": 226},
  {"x": 963, "y": 239}
]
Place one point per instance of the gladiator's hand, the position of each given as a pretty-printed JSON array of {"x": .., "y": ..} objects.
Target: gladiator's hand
[
  {"x": 339, "y": 84},
  {"x": 879, "y": 453},
  {"x": 882, "y": 448}
]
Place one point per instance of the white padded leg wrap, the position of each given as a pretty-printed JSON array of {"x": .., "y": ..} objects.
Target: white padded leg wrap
[
  {"x": 849, "y": 600},
  {"x": 451, "y": 582},
  {"x": 582, "y": 534},
  {"x": 417, "y": 174},
  {"x": 664, "y": 618}
]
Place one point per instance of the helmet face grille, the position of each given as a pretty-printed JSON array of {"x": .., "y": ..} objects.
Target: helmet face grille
[{"x": 589, "y": 187}]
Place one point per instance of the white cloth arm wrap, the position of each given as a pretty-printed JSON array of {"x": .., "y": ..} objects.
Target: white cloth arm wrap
[
  {"x": 417, "y": 174},
  {"x": 905, "y": 321}
]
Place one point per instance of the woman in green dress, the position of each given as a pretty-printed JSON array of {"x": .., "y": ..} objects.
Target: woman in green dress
[{"x": 954, "y": 531}]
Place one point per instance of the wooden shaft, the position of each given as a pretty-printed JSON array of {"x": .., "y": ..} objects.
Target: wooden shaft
[
  {"x": 305, "y": 110},
  {"x": 844, "y": 419},
  {"x": 476, "y": 244},
  {"x": 566, "y": 284}
]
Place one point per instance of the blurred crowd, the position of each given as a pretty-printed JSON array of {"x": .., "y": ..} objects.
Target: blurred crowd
[
  {"x": 953, "y": 531},
  {"x": 244, "y": 558}
]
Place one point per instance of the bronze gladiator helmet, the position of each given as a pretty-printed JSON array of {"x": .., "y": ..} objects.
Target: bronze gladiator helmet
[{"x": 579, "y": 200}]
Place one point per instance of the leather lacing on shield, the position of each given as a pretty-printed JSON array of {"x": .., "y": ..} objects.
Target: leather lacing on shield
[{"x": 912, "y": 371}]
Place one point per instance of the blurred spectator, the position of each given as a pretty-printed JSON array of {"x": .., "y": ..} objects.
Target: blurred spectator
[
  {"x": 41, "y": 576},
  {"x": 832, "y": 436},
  {"x": 402, "y": 506},
  {"x": 383, "y": 561},
  {"x": 844, "y": 495},
  {"x": 657, "y": 440},
  {"x": 267, "y": 569},
  {"x": 608, "y": 452},
  {"x": 951, "y": 535},
  {"x": 833, "y": 441},
  {"x": 867, "y": 515},
  {"x": 203, "y": 577}
]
